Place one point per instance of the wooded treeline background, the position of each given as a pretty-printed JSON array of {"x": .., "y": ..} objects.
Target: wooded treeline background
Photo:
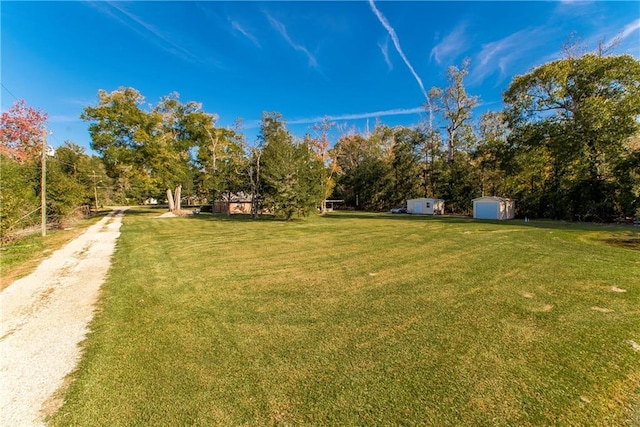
[{"x": 565, "y": 146}]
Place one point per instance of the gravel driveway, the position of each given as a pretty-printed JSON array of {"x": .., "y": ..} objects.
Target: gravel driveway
[{"x": 43, "y": 318}]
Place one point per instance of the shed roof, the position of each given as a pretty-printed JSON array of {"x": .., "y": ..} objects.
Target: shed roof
[
  {"x": 493, "y": 198},
  {"x": 427, "y": 198}
]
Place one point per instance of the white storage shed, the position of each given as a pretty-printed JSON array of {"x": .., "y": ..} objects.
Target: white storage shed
[
  {"x": 425, "y": 205},
  {"x": 492, "y": 207}
]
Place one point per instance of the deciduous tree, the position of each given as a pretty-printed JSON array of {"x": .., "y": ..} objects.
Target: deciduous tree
[
  {"x": 365, "y": 169},
  {"x": 580, "y": 112},
  {"x": 152, "y": 149},
  {"x": 490, "y": 156},
  {"x": 222, "y": 160},
  {"x": 321, "y": 149},
  {"x": 455, "y": 106},
  {"x": 405, "y": 164},
  {"x": 21, "y": 132}
]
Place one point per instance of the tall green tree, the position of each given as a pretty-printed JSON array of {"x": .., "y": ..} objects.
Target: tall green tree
[
  {"x": 455, "y": 181},
  {"x": 177, "y": 128},
  {"x": 406, "y": 173},
  {"x": 222, "y": 160},
  {"x": 291, "y": 174},
  {"x": 254, "y": 176},
  {"x": 364, "y": 169},
  {"x": 321, "y": 149},
  {"x": 578, "y": 113},
  {"x": 146, "y": 150},
  {"x": 455, "y": 107},
  {"x": 430, "y": 153},
  {"x": 87, "y": 171},
  {"x": 19, "y": 201},
  {"x": 65, "y": 190},
  {"x": 371, "y": 183},
  {"x": 119, "y": 127},
  {"x": 490, "y": 155},
  {"x": 348, "y": 152}
]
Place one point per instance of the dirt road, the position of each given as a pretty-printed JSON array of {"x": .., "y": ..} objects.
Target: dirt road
[{"x": 44, "y": 316}]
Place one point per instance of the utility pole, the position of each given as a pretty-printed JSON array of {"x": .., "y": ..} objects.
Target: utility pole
[
  {"x": 95, "y": 189},
  {"x": 43, "y": 184}
]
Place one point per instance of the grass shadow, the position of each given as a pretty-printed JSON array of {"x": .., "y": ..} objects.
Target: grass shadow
[
  {"x": 626, "y": 242},
  {"x": 144, "y": 210},
  {"x": 544, "y": 224},
  {"x": 206, "y": 216},
  {"x": 395, "y": 217},
  {"x": 242, "y": 218},
  {"x": 461, "y": 219},
  {"x": 158, "y": 211}
]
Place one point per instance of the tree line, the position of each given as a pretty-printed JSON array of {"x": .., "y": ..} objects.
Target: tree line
[
  {"x": 173, "y": 149},
  {"x": 566, "y": 146},
  {"x": 73, "y": 179}
]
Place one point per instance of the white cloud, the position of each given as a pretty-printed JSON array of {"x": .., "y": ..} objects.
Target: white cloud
[
  {"x": 450, "y": 46},
  {"x": 279, "y": 26},
  {"x": 143, "y": 28},
  {"x": 238, "y": 27},
  {"x": 384, "y": 48},
  {"x": 83, "y": 102},
  {"x": 500, "y": 54},
  {"x": 64, "y": 118},
  {"x": 576, "y": 2},
  {"x": 628, "y": 30}
]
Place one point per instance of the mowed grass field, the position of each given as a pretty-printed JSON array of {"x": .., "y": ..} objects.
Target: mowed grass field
[{"x": 363, "y": 319}]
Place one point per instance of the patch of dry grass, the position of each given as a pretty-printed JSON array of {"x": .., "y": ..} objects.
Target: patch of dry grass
[{"x": 20, "y": 257}]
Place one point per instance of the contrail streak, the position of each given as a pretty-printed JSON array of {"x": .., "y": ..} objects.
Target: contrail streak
[
  {"x": 279, "y": 26},
  {"x": 349, "y": 116},
  {"x": 396, "y": 43},
  {"x": 356, "y": 116}
]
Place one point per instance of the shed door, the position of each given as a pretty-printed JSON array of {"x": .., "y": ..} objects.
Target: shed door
[
  {"x": 485, "y": 211},
  {"x": 417, "y": 207}
]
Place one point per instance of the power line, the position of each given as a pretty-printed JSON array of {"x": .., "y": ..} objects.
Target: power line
[
  {"x": 10, "y": 93},
  {"x": 55, "y": 159},
  {"x": 16, "y": 98},
  {"x": 56, "y": 138}
]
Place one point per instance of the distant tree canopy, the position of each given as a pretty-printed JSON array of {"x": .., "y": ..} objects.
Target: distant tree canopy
[
  {"x": 148, "y": 149},
  {"x": 291, "y": 174},
  {"x": 72, "y": 176},
  {"x": 565, "y": 146},
  {"x": 572, "y": 121},
  {"x": 174, "y": 145}
]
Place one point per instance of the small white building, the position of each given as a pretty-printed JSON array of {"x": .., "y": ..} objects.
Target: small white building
[
  {"x": 492, "y": 207},
  {"x": 425, "y": 205}
]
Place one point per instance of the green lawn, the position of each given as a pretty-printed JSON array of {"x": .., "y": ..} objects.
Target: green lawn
[{"x": 363, "y": 319}]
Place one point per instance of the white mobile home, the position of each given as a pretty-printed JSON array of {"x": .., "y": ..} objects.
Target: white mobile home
[
  {"x": 425, "y": 205},
  {"x": 492, "y": 207}
]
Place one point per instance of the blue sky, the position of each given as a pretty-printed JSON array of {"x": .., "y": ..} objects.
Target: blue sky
[{"x": 354, "y": 61}]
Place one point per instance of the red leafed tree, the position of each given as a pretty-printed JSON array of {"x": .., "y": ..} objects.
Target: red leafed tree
[{"x": 21, "y": 131}]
